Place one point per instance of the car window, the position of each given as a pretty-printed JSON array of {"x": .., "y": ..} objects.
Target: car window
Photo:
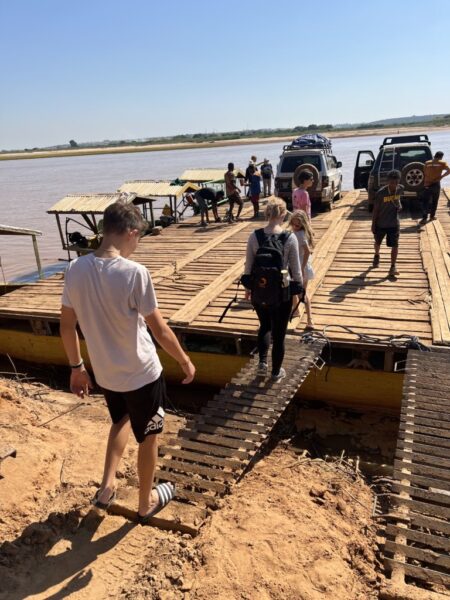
[
  {"x": 290, "y": 163},
  {"x": 408, "y": 155}
]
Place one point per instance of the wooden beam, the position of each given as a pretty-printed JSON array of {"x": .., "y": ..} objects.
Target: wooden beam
[
  {"x": 161, "y": 274},
  {"x": 434, "y": 250},
  {"x": 194, "y": 307},
  {"x": 327, "y": 248}
]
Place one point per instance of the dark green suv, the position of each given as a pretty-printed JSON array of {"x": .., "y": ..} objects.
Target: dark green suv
[{"x": 405, "y": 153}]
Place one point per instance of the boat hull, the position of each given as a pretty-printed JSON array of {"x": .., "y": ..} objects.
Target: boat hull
[{"x": 355, "y": 388}]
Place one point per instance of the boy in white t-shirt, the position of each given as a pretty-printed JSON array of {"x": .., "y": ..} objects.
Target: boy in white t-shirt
[{"x": 113, "y": 300}]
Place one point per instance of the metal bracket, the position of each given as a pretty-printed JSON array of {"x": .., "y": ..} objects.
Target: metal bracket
[
  {"x": 400, "y": 366},
  {"x": 319, "y": 363}
]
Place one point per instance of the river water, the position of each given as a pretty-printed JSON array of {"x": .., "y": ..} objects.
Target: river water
[{"x": 28, "y": 188}]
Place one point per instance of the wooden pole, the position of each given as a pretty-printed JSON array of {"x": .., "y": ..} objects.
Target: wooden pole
[{"x": 36, "y": 253}]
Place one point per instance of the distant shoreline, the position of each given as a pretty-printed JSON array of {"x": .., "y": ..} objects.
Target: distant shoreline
[{"x": 210, "y": 144}]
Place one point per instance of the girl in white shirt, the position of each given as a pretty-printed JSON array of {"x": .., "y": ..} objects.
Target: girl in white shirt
[{"x": 301, "y": 227}]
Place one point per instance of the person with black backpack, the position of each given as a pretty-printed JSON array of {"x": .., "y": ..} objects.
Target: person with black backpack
[{"x": 271, "y": 277}]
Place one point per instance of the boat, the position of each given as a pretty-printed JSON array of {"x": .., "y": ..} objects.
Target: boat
[{"x": 367, "y": 320}]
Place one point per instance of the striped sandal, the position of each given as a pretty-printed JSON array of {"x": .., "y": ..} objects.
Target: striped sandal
[{"x": 166, "y": 493}]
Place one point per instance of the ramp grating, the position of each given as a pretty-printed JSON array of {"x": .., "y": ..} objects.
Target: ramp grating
[
  {"x": 417, "y": 534},
  {"x": 216, "y": 447}
]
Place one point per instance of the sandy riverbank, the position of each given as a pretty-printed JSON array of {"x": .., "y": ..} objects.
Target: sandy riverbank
[
  {"x": 192, "y": 145},
  {"x": 294, "y": 528}
]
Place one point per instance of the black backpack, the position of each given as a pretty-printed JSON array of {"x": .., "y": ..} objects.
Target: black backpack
[{"x": 266, "y": 280}]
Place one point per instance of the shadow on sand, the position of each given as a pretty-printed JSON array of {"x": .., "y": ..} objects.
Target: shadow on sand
[{"x": 30, "y": 570}]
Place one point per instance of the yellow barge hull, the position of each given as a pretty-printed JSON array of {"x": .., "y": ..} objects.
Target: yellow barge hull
[{"x": 335, "y": 385}]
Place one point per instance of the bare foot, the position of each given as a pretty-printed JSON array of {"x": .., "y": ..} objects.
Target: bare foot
[{"x": 153, "y": 504}]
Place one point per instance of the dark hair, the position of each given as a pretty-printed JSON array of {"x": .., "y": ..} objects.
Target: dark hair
[
  {"x": 220, "y": 194},
  {"x": 230, "y": 166},
  {"x": 120, "y": 217},
  {"x": 394, "y": 174},
  {"x": 439, "y": 155},
  {"x": 305, "y": 176}
]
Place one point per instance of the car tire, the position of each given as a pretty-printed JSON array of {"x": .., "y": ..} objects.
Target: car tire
[
  {"x": 412, "y": 177},
  {"x": 306, "y": 167}
]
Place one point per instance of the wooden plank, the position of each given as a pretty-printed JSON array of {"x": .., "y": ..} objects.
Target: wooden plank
[
  {"x": 422, "y": 438},
  {"x": 209, "y": 448},
  {"x": 231, "y": 423},
  {"x": 435, "y": 431},
  {"x": 420, "y": 458},
  {"x": 435, "y": 541},
  {"x": 439, "y": 320},
  {"x": 427, "y": 575},
  {"x": 412, "y": 446},
  {"x": 425, "y": 556},
  {"x": 217, "y": 440},
  {"x": 194, "y": 307},
  {"x": 190, "y": 481},
  {"x": 436, "y": 525},
  {"x": 433, "y": 510},
  {"x": 225, "y": 431},
  {"x": 192, "y": 467},
  {"x": 421, "y": 494},
  {"x": 224, "y": 463}
]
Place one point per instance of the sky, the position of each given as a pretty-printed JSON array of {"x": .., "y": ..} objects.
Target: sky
[{"x": 92, "y": 70}]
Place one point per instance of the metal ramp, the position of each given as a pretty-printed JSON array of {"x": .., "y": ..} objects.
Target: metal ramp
[
  {"x": 217, "y": 446},
  {"x": 418, "y": 530}
]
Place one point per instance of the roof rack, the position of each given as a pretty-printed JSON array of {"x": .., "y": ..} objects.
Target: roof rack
[
  {"x": 405, "y": 139},
  {"x": 309, "y": 141}
]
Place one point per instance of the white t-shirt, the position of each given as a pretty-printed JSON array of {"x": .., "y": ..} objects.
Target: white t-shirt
[{"x": 111, "y": 297}]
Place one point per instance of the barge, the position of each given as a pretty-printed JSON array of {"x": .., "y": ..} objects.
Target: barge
[{"x": 367, "y": 320}]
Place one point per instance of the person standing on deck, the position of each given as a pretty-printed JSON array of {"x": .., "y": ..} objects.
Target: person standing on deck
[
  {"x": 274, "y": 318},
  {"x": 251, "y": 165},
  {"x": 301, "y": 227},
  {"x": 267, "y": 174},
  {"x": 434, "y": 171},
  {"x": 113, "y": 300},
  {"x": 254, "y": 185},
  {"x": 300, "y": 196},
  {"x": 233, "y": 193},
  {"x": 385, "y": 219}
]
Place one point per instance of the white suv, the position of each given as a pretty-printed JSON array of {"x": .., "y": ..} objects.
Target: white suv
[{"x": 327, "y": 184}]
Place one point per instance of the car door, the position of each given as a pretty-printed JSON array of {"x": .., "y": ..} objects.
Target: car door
[
  {"x": 364, "y": 164},
  {"x": 336, "y": 173}
]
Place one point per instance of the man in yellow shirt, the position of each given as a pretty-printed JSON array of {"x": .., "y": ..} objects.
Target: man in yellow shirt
[{"x": 434, "y": 171}]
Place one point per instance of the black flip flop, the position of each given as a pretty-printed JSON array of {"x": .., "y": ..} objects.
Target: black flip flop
[
  {"x": 166, "y": 493},
  {"x": 103, "y": 505}
]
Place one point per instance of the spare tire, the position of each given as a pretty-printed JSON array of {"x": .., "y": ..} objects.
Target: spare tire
[
  {"x": 413, "y": 177},
  {"x": 306, "y": 167}
]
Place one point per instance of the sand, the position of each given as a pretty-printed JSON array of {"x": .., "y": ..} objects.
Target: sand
[
  {"x": 209, "y": 144},
  {"x": 294, "y": 528}
]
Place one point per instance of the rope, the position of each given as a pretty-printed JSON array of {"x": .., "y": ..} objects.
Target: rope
[{"x": 402, "y": 341}]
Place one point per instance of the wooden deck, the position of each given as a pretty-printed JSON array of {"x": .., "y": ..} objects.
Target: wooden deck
[{"x": 195, "y": 272}]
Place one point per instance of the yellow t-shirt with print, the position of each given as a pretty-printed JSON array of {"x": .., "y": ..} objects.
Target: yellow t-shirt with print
[{"x": 433, "y": 170}]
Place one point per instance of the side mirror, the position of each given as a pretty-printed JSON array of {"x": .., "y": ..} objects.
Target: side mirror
[
  {"x": 338, "y": 165},
  {"x": 369, "y": 162}
]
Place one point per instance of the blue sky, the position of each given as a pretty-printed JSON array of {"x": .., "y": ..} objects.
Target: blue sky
[{"x": 108, "y": 69}]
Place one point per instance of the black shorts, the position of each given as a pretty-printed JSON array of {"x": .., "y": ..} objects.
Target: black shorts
[
  {"x": 392, "y": 235},
  {"x": 145, "y": 407}
]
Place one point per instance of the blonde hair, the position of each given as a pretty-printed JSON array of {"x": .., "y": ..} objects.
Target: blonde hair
[
  {"x": 275, "y": 208},
  {"x": 301, "y": 217}
]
